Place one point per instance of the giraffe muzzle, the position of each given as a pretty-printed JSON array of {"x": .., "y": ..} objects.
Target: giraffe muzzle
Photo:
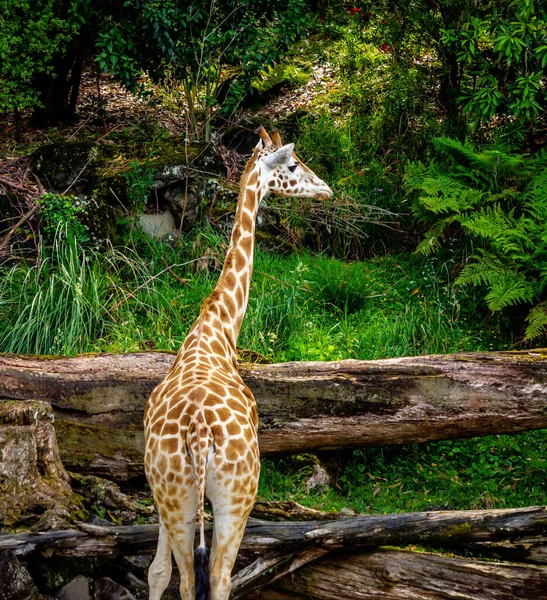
[{"x": 323, "y": 194}]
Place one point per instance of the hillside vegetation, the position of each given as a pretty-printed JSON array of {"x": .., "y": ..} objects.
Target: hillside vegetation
[{"x": 429, "y": 124}]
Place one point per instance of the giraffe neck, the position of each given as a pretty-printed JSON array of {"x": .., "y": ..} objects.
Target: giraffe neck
[{"x": 226, "y": 306}]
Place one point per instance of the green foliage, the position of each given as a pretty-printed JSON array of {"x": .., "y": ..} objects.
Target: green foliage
[
  {"x": 192, "y": 43},
  {"x": 56, "y": 306},
  {"x": 487, "y": 59},
  {"x": 284, "y": 72},
  {"x": 504, "y": 56},
  {"x": 34, "y": 33},
  {"x": 364, "y": 209},
  {"x": 499, "y": 200},
  {"x": 498, "y": 471},
  {"x": 63, "y": 213},
  {"x": 301, "y": 308},
  {"x": 139, "y": 179}
]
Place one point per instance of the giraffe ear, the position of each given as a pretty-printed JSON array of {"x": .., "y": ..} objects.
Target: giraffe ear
[
  {"x": 279, "y": 157},
  {"x": 260, "y": 145}
]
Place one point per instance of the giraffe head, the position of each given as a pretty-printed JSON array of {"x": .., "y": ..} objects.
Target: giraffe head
[{"x": 283, "y": 173}]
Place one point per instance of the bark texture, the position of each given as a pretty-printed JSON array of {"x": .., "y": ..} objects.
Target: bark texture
[
  {"x": 391, "y": 575},
  {"x": 291, "y": 537},
  {"x": 526, "y": 550},
  {"x": 99, "y": 401},
  {"x": 33, "y": 480}
]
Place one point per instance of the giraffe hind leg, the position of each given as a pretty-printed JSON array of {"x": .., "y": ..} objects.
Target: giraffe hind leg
[
  {"x": 232, "y": 504},
  {"x": 227, "y": 534},
  {"x": 159, "y": 573},
  {"x": 182, "y": 542}
]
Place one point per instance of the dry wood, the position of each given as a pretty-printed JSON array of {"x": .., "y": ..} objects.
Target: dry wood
[
  {"x": 12, "y": 230},
  {"x": 392, "y": 575},
  {"x": 99, "y": 401},
  {"x": 269, "y": 568},
  {"x": 289, "y": 510},
  {"x": 526, "y": 550},
  {"x": 368, "y": 531}
]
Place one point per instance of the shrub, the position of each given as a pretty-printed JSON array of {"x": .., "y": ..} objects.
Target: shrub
[{"x": 498, "y": 202}]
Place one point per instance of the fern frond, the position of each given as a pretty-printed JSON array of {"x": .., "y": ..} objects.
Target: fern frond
[
  {"x": 442, "y": 195},
  {"x": 536, "y": 191},
  {"x": 507, "y": 286},
  {"x": 483, "y": 271},
  {"x": 432, "y": 237},
  {"x": 460, "y": 152},
  {"x": 502, "y": 229},
  {"x": 537, "y": 322},
  {"x": 414, "y": 175},
  {"x": 487, "y": 166},
  {"x": 502, "y": 163},
  {"x": 509, "y": 289},
  {"x": 440, "y": 185}
]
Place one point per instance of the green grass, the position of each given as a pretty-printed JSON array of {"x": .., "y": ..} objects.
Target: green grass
[
  {"x": 319, "y": 308},
  {"x": 57, "y": 305},
  {"x": 481, "y": 473},
  {"x": 302, "y": 307}
]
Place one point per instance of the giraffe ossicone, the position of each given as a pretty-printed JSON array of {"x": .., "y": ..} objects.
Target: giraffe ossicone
[{"x": 201, "y": 421}]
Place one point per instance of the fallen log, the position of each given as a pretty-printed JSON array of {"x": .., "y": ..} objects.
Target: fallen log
[
  {"x": 395, "y": 574},
  {"x": 525, "y": 550},
  {"x": 367, "y": 531},
  {"x": 269, "y": 568},
  {"x": 99, "y": 400}
]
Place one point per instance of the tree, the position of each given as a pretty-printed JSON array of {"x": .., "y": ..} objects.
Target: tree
[
  {"x": 33, "y": 36},
  {"x": 191, "y": 42},
  {"x": 489, "y": 58}
]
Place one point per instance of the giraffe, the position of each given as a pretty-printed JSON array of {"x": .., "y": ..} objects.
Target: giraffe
[{"x": 201, "y": 420}]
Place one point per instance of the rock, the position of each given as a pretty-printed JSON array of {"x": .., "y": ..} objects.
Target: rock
[
  {"x": 158, "y": 226},
  {"x": 319, "y": 479},
  {"x": 136, "y": 586},
  {"x": 77, "y": 589},
  {"x": 171, "y": 157},
  {"x": 55, "y": 517},
  {"x": 32, "y": 477},
  {"x": 95, "y": 520},
  {"x": 15, "y": 581},
  {"x": 65, "y": 165},
  {"x": 180, "y": 200},
  {"x": 137, "y": 563},
  {"x": 107, "y": 589},
  {"x": 52, "y": 574}
]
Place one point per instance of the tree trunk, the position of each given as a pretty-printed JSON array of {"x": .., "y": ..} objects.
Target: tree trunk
[
  {"x": 291, "y": 537},
  {"x": 33, "y": 481},
  {"x": 392, "y": 575},
  {"x": 58, "y": 91},
  {"x": 99, "y": 401}
]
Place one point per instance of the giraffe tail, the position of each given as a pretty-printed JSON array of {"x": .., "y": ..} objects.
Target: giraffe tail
[
  {"x": 201, "y": 569},
  {"x": 201, "y": 443}
]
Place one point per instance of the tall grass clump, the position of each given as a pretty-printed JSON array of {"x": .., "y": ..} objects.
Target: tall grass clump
[{"x": 58, "y": 305}]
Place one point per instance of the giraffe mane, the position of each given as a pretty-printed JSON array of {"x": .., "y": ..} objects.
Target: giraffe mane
[
  {"x": 215, "y": 294},
  {"x": 245, "y": 175}
]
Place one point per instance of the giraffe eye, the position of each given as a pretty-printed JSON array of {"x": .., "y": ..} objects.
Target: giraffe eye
[{"x": 292, "y": 168}]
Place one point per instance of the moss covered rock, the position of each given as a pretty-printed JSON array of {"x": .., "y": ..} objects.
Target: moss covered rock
[{"x": 65, "y": 165}]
